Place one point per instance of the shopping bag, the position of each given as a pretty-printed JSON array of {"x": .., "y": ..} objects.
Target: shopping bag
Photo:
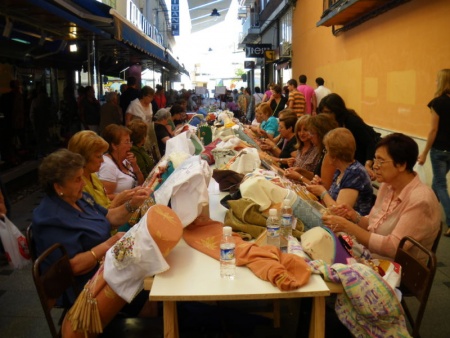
[{"x": 14, "y": 243}]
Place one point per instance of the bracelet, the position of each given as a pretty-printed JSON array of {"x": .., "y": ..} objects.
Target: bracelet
[
  {"x": 322, "y": 195},
  {"x": 358, "y": 218},
  {"x": 95, "y": 256},
  {"x": 129, "y": 207}
]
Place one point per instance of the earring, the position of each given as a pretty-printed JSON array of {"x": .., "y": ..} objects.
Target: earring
[{"x": 61, "y": 194}]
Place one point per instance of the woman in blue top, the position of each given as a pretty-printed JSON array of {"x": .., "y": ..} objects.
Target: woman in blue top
[
  {"x": 69, "y": 216},
  {"x": 351, "y": 182},
  {"x": 269, "y": 125}
]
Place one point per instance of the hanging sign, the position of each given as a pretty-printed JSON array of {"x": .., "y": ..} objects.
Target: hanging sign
[{"x": 175, "y": 17}]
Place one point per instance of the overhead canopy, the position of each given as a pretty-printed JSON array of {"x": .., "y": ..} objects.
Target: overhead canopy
[{"x": 46, "y": 28}]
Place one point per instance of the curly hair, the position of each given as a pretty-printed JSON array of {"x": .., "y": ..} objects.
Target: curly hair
[{"x": 58, "y": 167}]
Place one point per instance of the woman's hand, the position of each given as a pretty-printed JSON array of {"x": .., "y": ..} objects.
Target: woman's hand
[
  {"x": 316, "y": 189},
  {"x": 267, "y": 144},
  {"x": 422, "y": 158},
  {"x": 368, "y": 165},
  {"x": 132, "y": 159},
  {"x": 292, "y": 174},
  {"x": 336, "y": 223},
  {"x": 344, "y": 210},
  {"x": 139, "y": 196},
  {"x": 290, "y": 161},
  {"x": 316, "y": 180}
]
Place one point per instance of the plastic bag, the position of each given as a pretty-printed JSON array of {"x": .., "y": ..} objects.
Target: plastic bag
[
  {"x": 420, "y": 170},
  {"x": 14, "y": 243}
]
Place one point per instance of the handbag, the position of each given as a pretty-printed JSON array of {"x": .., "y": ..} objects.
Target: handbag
[
  {"x": 322, "y": 243},
  {"x": 14, "y": 243}
]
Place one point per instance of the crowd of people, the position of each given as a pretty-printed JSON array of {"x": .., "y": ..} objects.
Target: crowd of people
[
  {"x": 94, "y": 185},
  {"x": 34, "y": 124}
]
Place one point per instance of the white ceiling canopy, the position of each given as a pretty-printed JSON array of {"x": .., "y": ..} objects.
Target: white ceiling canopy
[{"x": 200, "y": 13}]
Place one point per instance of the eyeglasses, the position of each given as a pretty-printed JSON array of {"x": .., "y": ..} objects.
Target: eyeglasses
[
  {"x": 326, "y": 111},
  {"x": 379, "y": 163}
]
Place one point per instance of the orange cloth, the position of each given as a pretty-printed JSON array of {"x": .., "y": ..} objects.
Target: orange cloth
[{"x": 285, "y": 271}]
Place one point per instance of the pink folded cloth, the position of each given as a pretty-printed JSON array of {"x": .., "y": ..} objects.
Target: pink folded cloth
[{"x": 285, "y": 271}]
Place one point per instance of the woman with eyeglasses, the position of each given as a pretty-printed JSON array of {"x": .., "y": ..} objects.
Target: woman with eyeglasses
[
  {"x": 365, "y": 136},
  {"x": 351, "y": 183},
  {"x": 120, "y": 170},
  {"x": 404, "y": 206},
  {"x": 141, "y": 108},
  {"x": 438, "y": 142}
]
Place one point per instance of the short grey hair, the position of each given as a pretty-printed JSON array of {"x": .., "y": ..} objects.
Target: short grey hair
[{"x": 162, "y": 114}]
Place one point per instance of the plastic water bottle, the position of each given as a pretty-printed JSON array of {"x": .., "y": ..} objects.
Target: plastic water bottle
[
  {"x": 227, "y": 260},
  {"x": 273, "y": 228},
  {"x": 286, "y": 225}
]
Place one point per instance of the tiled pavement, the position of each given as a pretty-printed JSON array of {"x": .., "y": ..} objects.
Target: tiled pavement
[{"x": 21, "y": 314}]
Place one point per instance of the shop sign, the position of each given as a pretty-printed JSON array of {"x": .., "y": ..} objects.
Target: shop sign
[
  {"x": 249, "y": 64},
  {"x": 256, "y": 50}
]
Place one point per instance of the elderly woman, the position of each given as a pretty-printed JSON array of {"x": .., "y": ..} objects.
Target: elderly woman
[
  {"x": 120, "y": 170},
  {"x": 92, "y": 147},
  {"x": 284, "y": 149},
  {"x": 162, "y": 118},
  {"x": 141, "y": 108},
  {"x": 69, "y": 216},
  {"x": 138, "y": 137},
  {"x": 404, "y": 206},
  {"x": 351, "y": 183},
  {"x": 365, "y": 136},
  {"x": 307, "y": 156}
]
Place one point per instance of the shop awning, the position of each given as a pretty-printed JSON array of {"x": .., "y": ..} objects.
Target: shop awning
[{"x": 127, "y": 33}]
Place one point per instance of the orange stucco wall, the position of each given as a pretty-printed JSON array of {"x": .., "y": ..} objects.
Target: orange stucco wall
[{"x": 385, "y": 68}]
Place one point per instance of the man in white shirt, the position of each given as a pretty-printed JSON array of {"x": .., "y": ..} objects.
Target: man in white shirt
[{"x": 321, "y": 91}]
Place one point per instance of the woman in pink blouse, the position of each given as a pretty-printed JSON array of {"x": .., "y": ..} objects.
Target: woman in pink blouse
[{"x": 404, "y": 207}]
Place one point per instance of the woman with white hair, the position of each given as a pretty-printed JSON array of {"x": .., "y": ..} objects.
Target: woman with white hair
[{"x": 162, "y": 118}]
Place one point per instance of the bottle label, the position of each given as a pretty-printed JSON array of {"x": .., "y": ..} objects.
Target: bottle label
[
  {"x": 273, "y": 231},
  {"x": 227, "y": 254},
  {"x": 286, "y": 221}
]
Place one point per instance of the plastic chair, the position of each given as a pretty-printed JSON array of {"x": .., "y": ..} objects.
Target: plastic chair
[
  {"x": 52, "y": 284},
  {"x": 31, "y": 244},
  {"x": 417, "y": 279}
]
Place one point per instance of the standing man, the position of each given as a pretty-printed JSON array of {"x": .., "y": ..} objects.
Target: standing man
[
  {"x": 12, "y": 130},
  {"x": 130, "y": 94},
  {"x": 321, "y": 91},
  {"x": 296, "y": 101},
  {"x": 309, "y": 94}
]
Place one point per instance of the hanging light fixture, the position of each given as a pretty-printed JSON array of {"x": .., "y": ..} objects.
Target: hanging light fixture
[{"x": 215, "y": 12}]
